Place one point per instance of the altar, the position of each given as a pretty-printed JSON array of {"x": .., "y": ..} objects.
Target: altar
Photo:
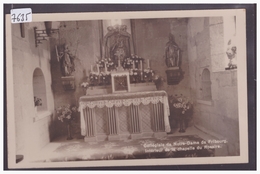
[
  {"x": 129, "y": 115},
  {"x": 122, "y": 101}
]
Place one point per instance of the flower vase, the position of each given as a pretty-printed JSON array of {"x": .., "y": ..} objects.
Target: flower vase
[
  {"x": 69, "y": 137},
  {"x": 182, "y": 123},
  {"x": 146, "y": 79},
  {"x": 131, "y": 79},
  {"x": 35, "y": 110}
]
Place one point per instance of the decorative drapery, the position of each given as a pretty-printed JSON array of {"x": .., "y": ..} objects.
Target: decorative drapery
[
  {"x": 125, "y": 99},
  {"x": 120, "y": 102}
]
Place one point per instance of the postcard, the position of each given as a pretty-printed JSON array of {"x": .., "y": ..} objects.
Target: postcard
[{"x": 139, "y": 88}]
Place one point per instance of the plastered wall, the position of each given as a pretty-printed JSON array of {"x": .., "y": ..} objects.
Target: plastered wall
[
  {"x": 206, "y": 50},
  {"x": 82, "y": 38},
  {"x": 31, "y": 135},
  {"x": 151, "y": 36}
]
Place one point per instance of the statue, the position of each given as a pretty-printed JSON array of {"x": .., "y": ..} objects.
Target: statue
[
  {"x": 108, "y": 41},
  {"x": 173, "y": 62},
  {"x": 231, "y": 54},
  {"x": 117, "y": 44},
  {"x": 172, "y": 53},
  {"x": 67, "y": 61},
  {"x": 119, "y": 49}
]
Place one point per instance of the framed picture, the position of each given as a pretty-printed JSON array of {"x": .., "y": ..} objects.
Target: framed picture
[{"x": 120, "y": 82}]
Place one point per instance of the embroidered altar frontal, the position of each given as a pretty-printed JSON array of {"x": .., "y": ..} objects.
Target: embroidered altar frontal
[{"x": 123, "y": 116}]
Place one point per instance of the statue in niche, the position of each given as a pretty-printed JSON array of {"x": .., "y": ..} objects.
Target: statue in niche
[
  {"x": 172, "y": 53},
  {"x": 67, "y": 61},
  {"x": 117, "y": 44}
]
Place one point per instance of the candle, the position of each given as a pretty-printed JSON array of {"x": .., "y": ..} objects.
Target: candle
[
  {"x": 105, "y": 68},
  {"x": 98, "y": 68},
  {"x": 148, "y": 63},
  {"x": 141, "y": 67},
  {"x": 57, "y": 54}
]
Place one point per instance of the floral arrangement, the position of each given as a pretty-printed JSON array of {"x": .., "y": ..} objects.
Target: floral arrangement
[
  {"x": 37, "y": 101},
  {"x": 66, "y": 113},
  {"x": 93, "y": 78},
  {"x": 128, "y": 63},
  {"x": 132, "y": 62},
  {"x": 136, "y": 58},
  {"x": 84, "y": 85},
  {"x": 181, "y": 105},
  {"x": 105, "y": 78},
  {"x": 101, "y": 63},
  {"x": 109, "y": 64},
  {"x": 148, "y": 75},
  {"x": 135, "y": 75}
]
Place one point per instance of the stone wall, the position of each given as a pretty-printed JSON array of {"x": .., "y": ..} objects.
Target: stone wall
[
  {"x": 82, "y": 38},
  {"x": 206, "y": 50},
  {"x": 31, "y": 135},
  {"x": 151, "y": 36}
]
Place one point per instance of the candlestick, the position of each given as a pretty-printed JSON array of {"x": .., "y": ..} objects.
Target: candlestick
[
  {"x": 118, "y": 62},
  {"x": 148, "y": 63}
]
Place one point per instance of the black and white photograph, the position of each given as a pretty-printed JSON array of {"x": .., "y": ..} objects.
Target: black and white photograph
[{"x": 127, "y": 88}]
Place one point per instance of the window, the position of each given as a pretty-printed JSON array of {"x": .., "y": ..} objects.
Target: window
[
  {"x": 206, "y": 85},
  {"x": 39, "y": 89}
]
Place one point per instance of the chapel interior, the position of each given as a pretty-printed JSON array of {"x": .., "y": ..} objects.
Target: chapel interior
[{"x": 148, "y": 64}]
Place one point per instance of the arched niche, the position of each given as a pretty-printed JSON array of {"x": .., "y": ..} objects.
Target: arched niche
[
  {"x": 117, "y": 37},
  {"x": 39, "y": 89}
]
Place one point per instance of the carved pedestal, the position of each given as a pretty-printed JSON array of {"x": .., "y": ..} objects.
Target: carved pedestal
[{"x": 174, "y": 75}]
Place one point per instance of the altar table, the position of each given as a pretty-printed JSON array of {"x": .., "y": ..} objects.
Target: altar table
[{"x": 125, "y": 115}]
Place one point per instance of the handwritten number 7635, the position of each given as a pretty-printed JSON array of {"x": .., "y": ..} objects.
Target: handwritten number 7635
[{"x": 21, "y": 17}]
